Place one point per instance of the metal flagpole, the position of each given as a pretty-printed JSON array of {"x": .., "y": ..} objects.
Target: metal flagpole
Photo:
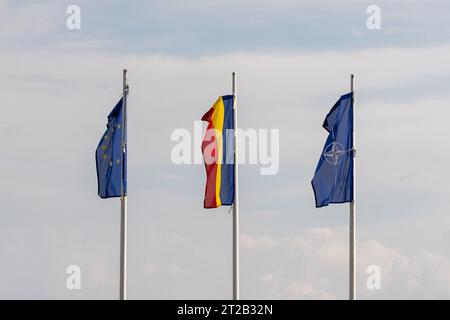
[
  {"x": 123, "y": 200},
  {"x": 352, "y": 226},
  {"x": 236, "y": 201}
]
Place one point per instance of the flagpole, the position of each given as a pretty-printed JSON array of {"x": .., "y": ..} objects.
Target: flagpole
[
  {"x": 123, "y": 201},
  {"x": 352, "y": 225},
  {"x": 236, "y": 201}
]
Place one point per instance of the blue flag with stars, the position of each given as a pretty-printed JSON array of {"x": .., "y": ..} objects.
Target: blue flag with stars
[
  {"x": 110, "y": 156},
  {"x": 333, "y": 179}
]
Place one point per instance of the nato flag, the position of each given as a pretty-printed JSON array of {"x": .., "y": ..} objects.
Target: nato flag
[
  {"x": 333, "y": 179},
  {"x": 110, "y": 156}
]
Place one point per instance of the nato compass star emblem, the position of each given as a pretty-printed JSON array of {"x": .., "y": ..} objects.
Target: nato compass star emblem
[{"x": 334, "y": 153}]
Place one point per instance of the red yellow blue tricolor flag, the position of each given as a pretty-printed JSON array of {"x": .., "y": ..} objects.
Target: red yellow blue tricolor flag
[{"x": 218, "y": 153}]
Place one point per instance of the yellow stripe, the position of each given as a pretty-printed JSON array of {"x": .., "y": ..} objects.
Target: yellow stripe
[{"x": 217, "y": 121}]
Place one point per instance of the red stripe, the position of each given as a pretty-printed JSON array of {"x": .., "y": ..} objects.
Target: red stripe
[{"x": 209, "y": 150}]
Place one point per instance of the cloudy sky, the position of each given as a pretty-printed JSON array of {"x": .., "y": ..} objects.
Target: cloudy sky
[{"x": 293, "y": 60}]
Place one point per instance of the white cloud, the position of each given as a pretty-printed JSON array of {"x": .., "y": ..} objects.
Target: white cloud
[{"x": 313, "y": 265}]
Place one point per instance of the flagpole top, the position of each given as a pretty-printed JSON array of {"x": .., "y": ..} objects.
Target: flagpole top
[
  {"x": 125, "y": 82},
  {"x": 233, "y": 77}
]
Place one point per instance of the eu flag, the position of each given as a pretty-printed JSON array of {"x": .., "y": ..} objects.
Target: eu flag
[
  {"x": 110, "y": 156},
  {"x": 333, "y": 179}
]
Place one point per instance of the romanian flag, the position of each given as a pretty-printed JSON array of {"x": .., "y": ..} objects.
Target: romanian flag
[{"x": 218, "y": 153}]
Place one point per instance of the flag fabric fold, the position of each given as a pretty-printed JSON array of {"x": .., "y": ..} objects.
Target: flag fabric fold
[
  {"x": 110, "y": 156},
  {"x": 218, "y": 153},
  {"x": 333, "y": 178}
]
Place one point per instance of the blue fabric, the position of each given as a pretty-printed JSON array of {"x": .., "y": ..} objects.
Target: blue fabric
[
  {"x": 227, "y": 175},
  {"x": 333, "y": 179},
  {"x": 110, "y": 156}
]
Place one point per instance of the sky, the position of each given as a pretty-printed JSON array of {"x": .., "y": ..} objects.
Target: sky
[{"x": 293, "y": 60}]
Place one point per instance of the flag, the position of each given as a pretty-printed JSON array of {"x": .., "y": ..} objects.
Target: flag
[
  {"x": 333, "y": 179},
  {"x": 110, "y": 156},
  {"x": 218, "y": 153}
]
